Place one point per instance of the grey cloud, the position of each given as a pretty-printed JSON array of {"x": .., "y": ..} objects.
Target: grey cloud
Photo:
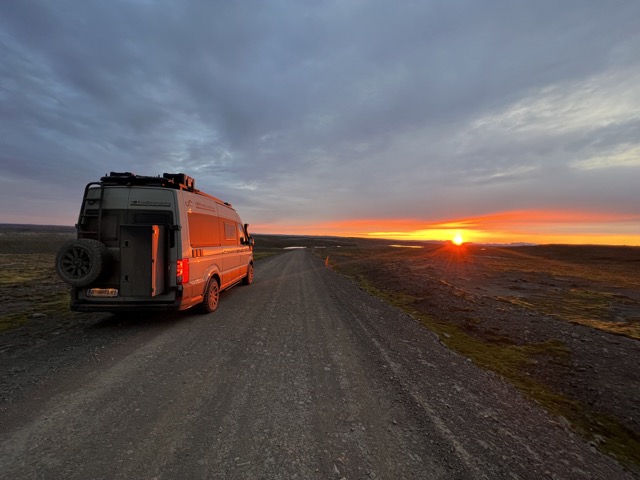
[{"x": 323, "y": 109}]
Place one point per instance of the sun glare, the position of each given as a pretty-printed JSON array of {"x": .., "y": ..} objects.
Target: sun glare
[{"x": 458, "y": 240}]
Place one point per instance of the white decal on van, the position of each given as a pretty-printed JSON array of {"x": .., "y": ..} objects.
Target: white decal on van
[
  {"x": 146, "y": 203},
  {"x": 204, "y": 206}
]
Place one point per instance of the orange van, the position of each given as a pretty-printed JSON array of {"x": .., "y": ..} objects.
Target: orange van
[{"x": 149, "y": 243}]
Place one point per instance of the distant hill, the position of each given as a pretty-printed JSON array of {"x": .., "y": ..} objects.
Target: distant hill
[{"x": 27, "y": 228}]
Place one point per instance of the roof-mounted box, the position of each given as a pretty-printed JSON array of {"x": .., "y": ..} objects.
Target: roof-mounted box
[{"x": 179, "y": 181}]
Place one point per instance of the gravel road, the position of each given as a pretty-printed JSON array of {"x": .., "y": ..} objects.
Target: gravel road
[{"x": 300, "y": 375}]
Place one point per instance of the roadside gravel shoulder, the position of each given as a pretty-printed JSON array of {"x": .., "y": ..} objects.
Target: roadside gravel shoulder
[{"x": 487, "y": 421}]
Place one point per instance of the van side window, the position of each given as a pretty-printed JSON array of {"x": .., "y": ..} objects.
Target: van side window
[
  {"x": 230, "y": 237},
  {"x": 203, "y": 230}
]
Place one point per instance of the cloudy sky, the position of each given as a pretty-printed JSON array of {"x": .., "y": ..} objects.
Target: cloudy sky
[{"x": 506, "y": 120}]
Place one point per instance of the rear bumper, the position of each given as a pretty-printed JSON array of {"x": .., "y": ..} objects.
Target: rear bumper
[
  {"x": 80, "y": 303},
  {"x": 80, "y": 306}
]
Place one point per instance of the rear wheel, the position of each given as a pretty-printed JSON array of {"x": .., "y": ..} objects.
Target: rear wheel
[
  {"x": 81, "y": 262},
  {"x": 211, "y": 296},
  {"x": 248, "y": 280}
]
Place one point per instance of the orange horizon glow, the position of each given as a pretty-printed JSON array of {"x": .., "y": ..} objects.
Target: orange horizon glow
[{"x": 521, "y": 226}]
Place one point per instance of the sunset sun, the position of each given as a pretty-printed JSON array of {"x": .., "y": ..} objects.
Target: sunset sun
[{"x": 458, "y": 240}]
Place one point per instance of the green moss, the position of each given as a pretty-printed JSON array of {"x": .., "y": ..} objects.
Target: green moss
[
  {"x": 513, "y": 362},
  {"x": 262, "y": 255},
  {"x": 586, "y": 307},
  {"x": 55, "y": 306},
  {"x": 16, "y": 277},
  {"x": 17, "y": 268},
  {"x": 12, "y": 320}
]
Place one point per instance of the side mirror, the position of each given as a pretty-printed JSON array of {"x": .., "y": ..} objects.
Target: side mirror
[{"x": 249, "y": 239}]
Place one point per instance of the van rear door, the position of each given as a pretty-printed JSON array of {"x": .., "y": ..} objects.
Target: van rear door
[{"x": 143, "y": 260}]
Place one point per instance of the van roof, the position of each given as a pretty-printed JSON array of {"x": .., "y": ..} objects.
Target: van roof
[{"x": 177, "y": 181}]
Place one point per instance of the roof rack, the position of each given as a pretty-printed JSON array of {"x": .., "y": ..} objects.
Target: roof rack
[{"x": 179, "y": 181}]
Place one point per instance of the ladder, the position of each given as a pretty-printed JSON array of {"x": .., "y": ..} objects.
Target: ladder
[{"x": 84, "y": 217}]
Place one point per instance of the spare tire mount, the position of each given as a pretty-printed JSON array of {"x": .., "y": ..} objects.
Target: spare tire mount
[{"x": 81, "y": 262}]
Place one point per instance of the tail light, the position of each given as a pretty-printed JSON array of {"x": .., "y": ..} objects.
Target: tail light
[{"x": 182, "y": 271}]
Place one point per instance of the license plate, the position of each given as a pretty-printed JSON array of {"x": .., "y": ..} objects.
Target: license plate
[{"x": 102, "y": 292}]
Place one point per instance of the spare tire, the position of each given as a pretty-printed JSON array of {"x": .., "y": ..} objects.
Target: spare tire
[{"x": 81, "y": 262}]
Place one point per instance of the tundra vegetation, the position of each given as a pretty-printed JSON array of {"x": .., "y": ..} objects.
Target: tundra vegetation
[{"x": 517, "y": 311}]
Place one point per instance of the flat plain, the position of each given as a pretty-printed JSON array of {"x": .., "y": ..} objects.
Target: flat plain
[{"x": 560, "y": 323}]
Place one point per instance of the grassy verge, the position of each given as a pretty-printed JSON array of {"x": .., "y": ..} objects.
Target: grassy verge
[
  {"x": 29, "y": 285},
  {"x": 54, "y": 305},
  {"x": 513, "y": 362},
  {"x": 262, "y": 254},
  {"x": 12, "y": 320},
  {"x": 586, "y": 307}
]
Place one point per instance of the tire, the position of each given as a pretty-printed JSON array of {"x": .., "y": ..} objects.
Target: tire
[
  {"x": 81, "y": 262},
  {"x": 248, "y": 280},
  {"x": 211, "y": 296}
]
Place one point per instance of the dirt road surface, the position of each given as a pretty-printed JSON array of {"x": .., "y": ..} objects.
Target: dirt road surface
[{"x": 301, "y": 375}]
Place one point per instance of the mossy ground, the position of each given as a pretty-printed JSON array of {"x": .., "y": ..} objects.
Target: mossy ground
[
  {"x": 262, "y": 254},
  {"x": 28, "y": 286},
  {"x": 516, "y": 362},
  {"x": 586, "y": 307}
]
